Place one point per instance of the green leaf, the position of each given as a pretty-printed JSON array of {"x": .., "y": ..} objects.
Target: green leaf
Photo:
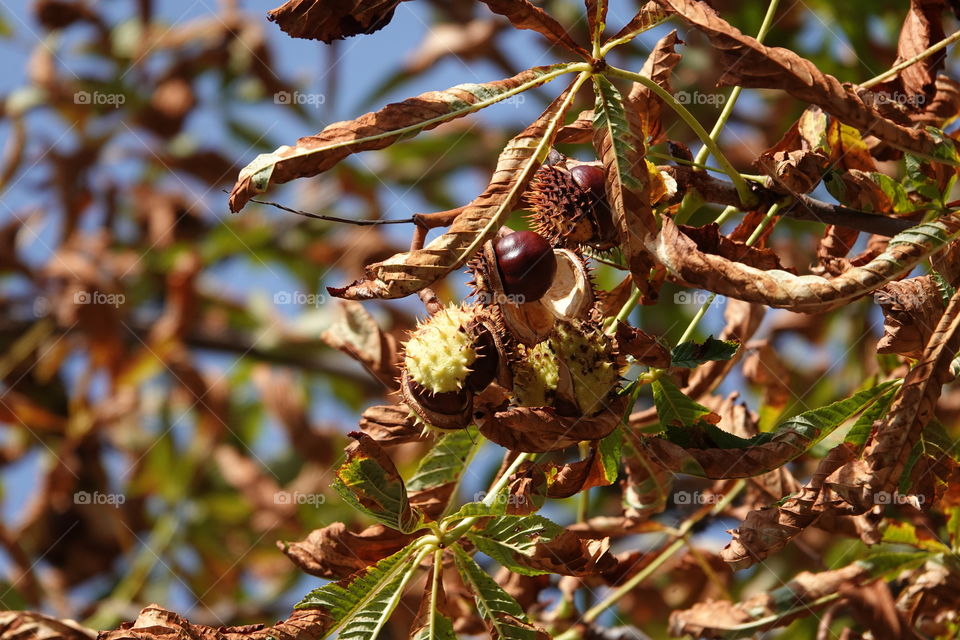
[
  {"x": 890, "y": 563},
  {"x": 369, "y": 482},
  {"x": 711, "y": 452},
  {"x": 860, "y": 432},
  {"x": 476, "y": 510},
  {"x": 610, "y": 451},
  {"x": 674, "y": 408},
  {"x": 362, "y": 602},
  {"x": 691, "y": 354},
  {"x": 906, "y": 533},
  {"x": 505, "y": 537},
  {"x": 502, "y": 614},
  {"x": 446, "y": 461},
  {"x": 434, "y": 624}
]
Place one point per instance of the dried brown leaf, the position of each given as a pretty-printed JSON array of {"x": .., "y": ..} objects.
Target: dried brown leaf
[
  {"x": 541, "y": 429},
  {"x": 329, "y": 20},
  {"x": 912, "y": 408},
  {"x": 805, "y": 293},
  {"x": 766, "y": 531},
  {"x": 406, "y": 273},
  {"x": 523, "y": 14},
  {"x": 911, "y": 310},
  {"x": 748, "y": 63},
  {"x": 334, "y": 552},
  {"x": 659, "y": 67},
  {"x": 315, "y": 154}
]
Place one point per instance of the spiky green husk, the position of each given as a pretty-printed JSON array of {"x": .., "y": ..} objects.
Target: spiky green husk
[
  {"x": 439, "y": 353},
  {"x": 592, "y": 360},
  {"x": 535, "y": 375}
]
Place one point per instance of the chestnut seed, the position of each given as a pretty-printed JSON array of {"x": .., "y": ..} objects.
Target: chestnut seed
[
  {"x": 526, "y": 264},
  {"x": 486, "y": 364},
  {"x": 590, "y": 178}
]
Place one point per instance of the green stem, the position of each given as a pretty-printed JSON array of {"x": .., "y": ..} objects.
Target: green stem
[
  {"x": 771, "y": 213},
  {"x": 892, "y": 71},
  {"x": 454, "y": 534},
  {"x": 746, "y": 196},
  {"x": 705, "y": 167},
  {"x": 627, "y": 37},
  {"x": 726, "y": 214},
  {"x": 594, "y": 612},
  {"x": 686, "y": 206}
]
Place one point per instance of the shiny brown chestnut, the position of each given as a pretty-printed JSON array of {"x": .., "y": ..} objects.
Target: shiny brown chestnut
[{"x": 526, "y": 264}]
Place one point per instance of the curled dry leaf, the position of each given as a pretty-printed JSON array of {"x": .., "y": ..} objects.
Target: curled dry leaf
[
  {"x": 334, "y": 552},
  {"x": 390, "y": 425},
  {"x": 523, "y": 14},
  {"x": 570, "y": 555},
  {"x": 541, "y": 429},
  {"x": 329, "y": 20},
  {"x": 805, "y": 293},
  {"x": 406, "y": 273},
  {"x": 912, "y": 408},
  {"x": 355, "y": 332},
  {"x": 648, "y": 16},
  {"x": 921, "y": 28},
  {"x": 911, "y": 310},
  {"x": 154, "y": 622},
  {"x": 748, "y": 63},
  {"x": 28, "y": 624},
  {"x": 766, "y": 531},
  {"x": 720, "y": 619},
  {"x": 315, "y": 154},
  {"x": 658, "y": 67},
  {"x": 646, "y": 349}
]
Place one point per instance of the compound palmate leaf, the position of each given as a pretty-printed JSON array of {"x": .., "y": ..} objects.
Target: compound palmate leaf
[
  {"x": 734, "y": 457},
  {"x": 406, "y": 273},
  {"x": 360, "y": 605},
  {"x": 369, "y": 481},
  {"x": 502, "y": 614},
  {"x": 315, "y": 154}
]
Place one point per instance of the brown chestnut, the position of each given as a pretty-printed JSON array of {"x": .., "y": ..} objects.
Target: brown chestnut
[
  {"x": 589, "y": 178},
  {"x": 526, "y": 264}
]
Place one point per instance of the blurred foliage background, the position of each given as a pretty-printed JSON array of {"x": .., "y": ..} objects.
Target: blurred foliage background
[{"x": 164, "y": 365}]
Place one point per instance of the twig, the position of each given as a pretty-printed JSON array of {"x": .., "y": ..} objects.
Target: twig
[
  {"x": 892, "y": 71},
  {"x": 317, "y": 216},
  {"x": 804, "y": 208}
]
